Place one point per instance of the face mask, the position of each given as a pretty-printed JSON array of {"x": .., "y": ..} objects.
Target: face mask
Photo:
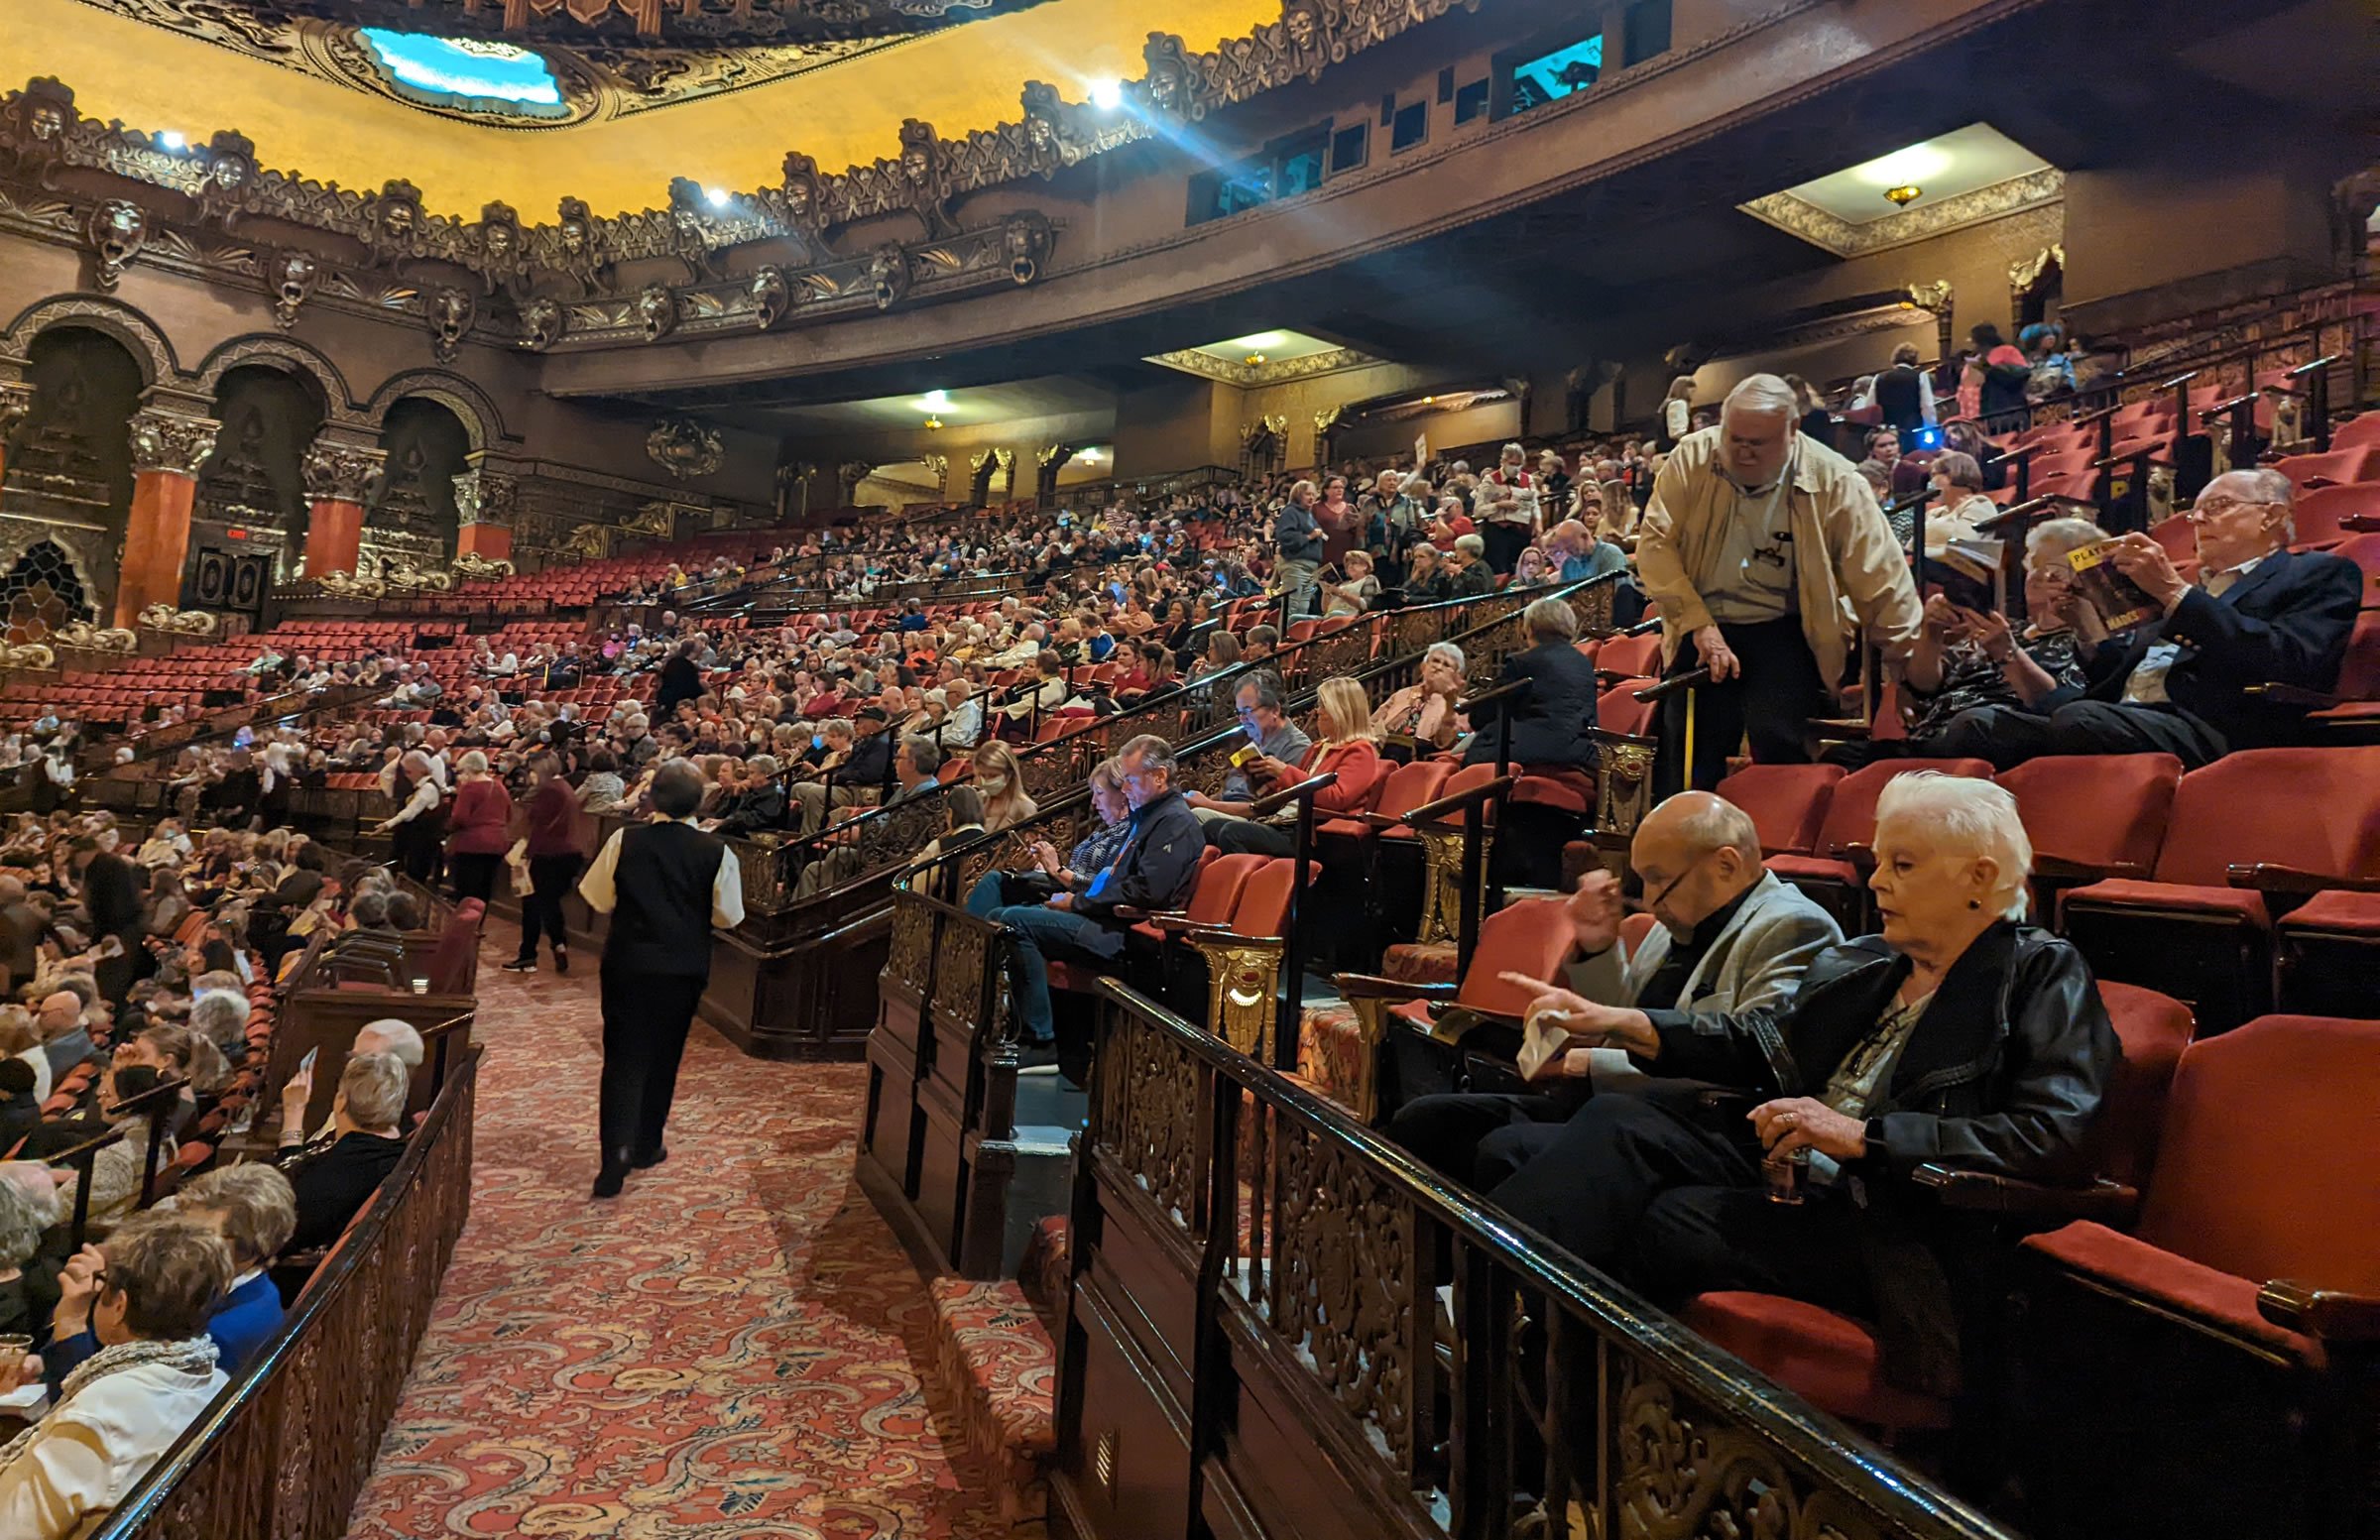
[{"x": 992, "y": 786}]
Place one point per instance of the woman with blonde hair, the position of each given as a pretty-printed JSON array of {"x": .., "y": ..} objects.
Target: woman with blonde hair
[
  {"x": 1344, "y": 745},
  {"x": 1000, "y": 780}
]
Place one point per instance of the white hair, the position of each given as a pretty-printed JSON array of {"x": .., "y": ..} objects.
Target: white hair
[
  {"x": 1451, "y": 655},
  {"x": 1969, "y": 814},
  {"x": 473, "y": 763},
  {"x": 392, "y": 1036},
  {"x": 1761, "y": 393},
  {"x": 2063, "y": 535},
  {"x": 2267, "y": 485}
]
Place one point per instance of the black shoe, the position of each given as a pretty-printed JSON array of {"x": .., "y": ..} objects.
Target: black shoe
[
  {"x": 562, "y": 959},
  {"x": 522, "y": 965},
  {"x": 661, "y": 1152},
  {"x": 1037, "y": 1058},
  {"x": 610, "y": 1180}
]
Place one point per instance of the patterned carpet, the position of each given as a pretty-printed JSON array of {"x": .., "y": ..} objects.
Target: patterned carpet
[{"x": 731, "y": 1349}]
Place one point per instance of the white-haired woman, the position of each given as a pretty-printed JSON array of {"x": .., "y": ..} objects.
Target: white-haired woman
[
  {"x": 1425, "y": 711},
  {"x": 478, "y": 830},
  {"x": 1505, "y": 507},
  {"x": 418, "y": 826},
  {"x": 1956, "y": 1036}
]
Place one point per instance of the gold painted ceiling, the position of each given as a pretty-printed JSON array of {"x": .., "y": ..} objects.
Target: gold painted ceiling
[{"x": 292, "y": 83}]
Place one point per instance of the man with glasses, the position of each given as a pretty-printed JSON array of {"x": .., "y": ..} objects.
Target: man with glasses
[
  {"x": 2192, "y": 682},
  {"x": 1730, "y": 936},
  {"x": 1275, "y": 739}
]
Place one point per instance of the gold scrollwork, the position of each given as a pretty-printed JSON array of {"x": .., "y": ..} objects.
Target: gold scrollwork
[
  {"x": 189, "y": 623},
  {"x": 471, "y": 567}
]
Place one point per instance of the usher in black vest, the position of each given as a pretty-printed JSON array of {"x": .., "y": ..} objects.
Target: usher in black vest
[{"x": 661, "y": 921}]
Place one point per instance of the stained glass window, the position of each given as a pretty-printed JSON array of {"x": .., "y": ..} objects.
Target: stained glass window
[{"x": 465, "y": 72}]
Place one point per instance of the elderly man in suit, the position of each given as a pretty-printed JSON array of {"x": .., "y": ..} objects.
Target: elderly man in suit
[
  {"x": 2195, "y": 681},
  {"x": 1731, "y": 937}
]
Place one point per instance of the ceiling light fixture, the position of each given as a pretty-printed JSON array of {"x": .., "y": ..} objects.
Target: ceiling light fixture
[
  {"x": 718, "y": 196},
  {"x": 1089, "y": 456},
  {"x": 1107, "y": 94},
  {"x": 935, "y": 401},
  {"x": 172, "y": 142},
  {"x": 934, "y": 424},
  {"x": 1917, "y": 164},
  {"x": 1903, "y": 196}
]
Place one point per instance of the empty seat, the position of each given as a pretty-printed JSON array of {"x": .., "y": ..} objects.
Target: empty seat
[
  {"x": 2256, "y": 828},
  {"x": 2094, "y": 815},
  {"x": 2336, "y": 468},
  {"x": 1787, "y": 804}
]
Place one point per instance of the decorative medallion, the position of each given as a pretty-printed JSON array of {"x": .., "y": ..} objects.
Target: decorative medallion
[
  {"x": 450, "y": 312},
  {"x": 292, "y": 275},
  {"x": 118, "y": 231},
  {"x": 685, "y": 448}
]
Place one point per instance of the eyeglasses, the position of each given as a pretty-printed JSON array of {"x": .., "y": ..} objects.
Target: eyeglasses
[
  {"x": 2215, "y": 508},
  {"x": 1656, "y": 900}
]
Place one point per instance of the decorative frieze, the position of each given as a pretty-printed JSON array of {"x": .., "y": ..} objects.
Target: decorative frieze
[
  {"x": 170, "y": 442},
  {"x": 342, "y": 473}
]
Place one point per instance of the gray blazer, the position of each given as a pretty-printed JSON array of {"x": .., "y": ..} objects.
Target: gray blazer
[{"x": 1758, "y": 960}]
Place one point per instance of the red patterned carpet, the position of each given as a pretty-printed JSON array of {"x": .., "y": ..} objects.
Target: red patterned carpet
[{"x": 733, "y": 1347}]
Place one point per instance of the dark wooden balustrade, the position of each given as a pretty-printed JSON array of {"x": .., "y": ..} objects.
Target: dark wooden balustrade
[
  {"x": 284, "y": 1450},
  {"x": 1279, "y": 1323}
]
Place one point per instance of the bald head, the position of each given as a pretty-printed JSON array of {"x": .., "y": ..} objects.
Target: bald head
[
  {"x": 58, "y": 1014},
  {"x": 1696, "y": 853}
]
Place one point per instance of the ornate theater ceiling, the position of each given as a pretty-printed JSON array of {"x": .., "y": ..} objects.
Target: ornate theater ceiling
[
  {"x": 606, "y": 58},
  {"x": 745, "y": 81}
]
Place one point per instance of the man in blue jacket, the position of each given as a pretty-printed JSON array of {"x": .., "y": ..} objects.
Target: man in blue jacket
[{"x": 1153, "y": 871}]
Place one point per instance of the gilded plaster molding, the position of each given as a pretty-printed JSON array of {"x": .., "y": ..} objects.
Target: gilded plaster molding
[
  {"x": 1920, "y": 221},
  {"x": 1271, "y": 372}
]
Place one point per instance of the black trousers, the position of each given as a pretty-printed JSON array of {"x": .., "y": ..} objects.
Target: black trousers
[
  {"x": 549, "y": 879},
  {"x": 474, "y": 874},
  {"x": 2009, "y": 735},
  {"x": 1505, "y": 543},
  {"x": 415, "y": 851},
  {"x": 1770, "y": 701},
  {"x": 1638, "y": 1187},
  {"x": 1251, "y": 837},
  {"x": 1450, "y": 1132},
  {"x": 645, "y": 1022}
]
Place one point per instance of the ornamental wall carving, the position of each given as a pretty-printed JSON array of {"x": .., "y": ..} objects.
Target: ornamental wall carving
[{"x": 549, "y": 284}]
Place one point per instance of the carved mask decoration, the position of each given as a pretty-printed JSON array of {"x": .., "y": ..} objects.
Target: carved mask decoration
[
  {"x": 657, "y": 311},
  {"x": 542, "y": 323},
  {"x": 1168, "y": 80},
  {"x": 499, "y": 237},
  {"x": 804, "y": 193},
  {"x": 231, "y": 174},
  {"x": 1025, "y": 239},
  {"x": 575, "y": 233},
  {"x": 889, "y": 275},
  {"x": 772, "y": 296},
  {"x": 40, "y": 118},
  {"x": 1044, "y": 127},
  {"x": 450, "y": 313},
  {"x": 118, "y": 231},
  {"x": 293, "y": 275}
]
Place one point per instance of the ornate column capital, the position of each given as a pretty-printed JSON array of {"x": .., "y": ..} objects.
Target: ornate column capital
[
  {"x": 171, "y": 441},
  {"x": 484, "y": 496},
  {"x": 342, "y": 473},
  {"x": 16, "y": 402}
]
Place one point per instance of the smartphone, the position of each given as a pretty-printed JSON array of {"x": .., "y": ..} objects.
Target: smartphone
[{"x": 305, "y": 1066}]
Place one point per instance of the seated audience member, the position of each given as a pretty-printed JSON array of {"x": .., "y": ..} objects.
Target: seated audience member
[
  {"x": 65, "y": 1040},
  {"x": 2258, "y": 614},
  {"x": 1551, "y": 720},
  {"x": 1155, "y": 871},
  {"x": 1732, "y": 937},
  {"x": 858, "y": 777},
  {"x": 1259, "y": 699},
  {"x": 1469, "y": 577},
  {"x": 28, "y": 1209},
  {"x": 1579, "y": 555},
  {"x": 21, "y": 1041},
  {"x": 1959, "y": 1035},
  {"x": 117, "y": 1170},
  {"x": 1000, "y": 780},
  {"x": 1966, "y": 661},
  {"x": 20, "y": 1106},
  {"x": 173, "y": 1052},
  {"x": 1346, "y": 749},
  {"x": 1353, "y": 593},
  {"x": 334, "y": 1179},
  {"x": 1094, "y": 854},
  {"x": 1427, "y": 712},
  {"x": 252, "y": 1208},
  {"x": 148, "y": 1295},
  {"x": 761, "y": 805}
]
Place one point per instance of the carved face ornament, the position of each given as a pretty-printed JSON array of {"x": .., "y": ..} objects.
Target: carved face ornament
[
  {"x": 47, "y": 122},
  {"x": 770, "y": 294},
  {"x": 542, "y": 324},
  {"x": 656, "y": 308}
]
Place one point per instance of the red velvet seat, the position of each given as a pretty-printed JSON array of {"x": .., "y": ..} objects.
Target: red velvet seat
[
  {"x": 2338, "y": 467},
  {"x": 1215, "y": 893},
  {"x": 1787, "y": 804},
  {"x": 1834, "y": 1362},
  {"x": 2299, "y": 816},
  {"x": 1631, "y": 658},
  {"x": 2325, "y": 516},
  {"x": 1532, "y": 936},
  {"x": 1401, "y": 790},
  {"x": 454, "y": 962},
  {"x": 2094, "y": 815},
  {"x": 2329, "y": 955},
  {"x": 2193, "y": 1354}
]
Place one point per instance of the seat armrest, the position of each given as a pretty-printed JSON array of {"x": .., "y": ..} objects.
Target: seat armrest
[
  {"x": 1447, "y": 806},
  {"x": 1370, "y": 986},
  {"x": 2057, "y": 867},
  {"x": 2333, "y": 1315},
  {"x": 2293, "y": 695},
  {"x": 2271, "y": 878},
  {"x": 1224, "y": 935},
  {"x": 2109, "y": 1203},
  {"x": 1177, "y": 923}
]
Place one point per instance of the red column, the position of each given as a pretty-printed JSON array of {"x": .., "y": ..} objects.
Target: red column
[
  {"x": 336, "y": 476},
  {"x": 166, "y": 450},
  {"x": 483, "y": 501},
  {"x": 488, "y": 541}
]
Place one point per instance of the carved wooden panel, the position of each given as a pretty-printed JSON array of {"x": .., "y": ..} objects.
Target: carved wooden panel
[{"x": 1343, "y": 1282}]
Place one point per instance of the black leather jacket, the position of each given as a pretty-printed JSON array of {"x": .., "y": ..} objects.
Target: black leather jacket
[{"x": 2003, "y": 1074}]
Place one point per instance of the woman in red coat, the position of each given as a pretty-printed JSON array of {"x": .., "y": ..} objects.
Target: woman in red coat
[
  {"x": 1346, "y": 748},
  {"x": 551, "y": 835},
  {"x": 478, "y": 829}
]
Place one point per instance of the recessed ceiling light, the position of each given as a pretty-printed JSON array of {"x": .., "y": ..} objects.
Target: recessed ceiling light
[
  {"x": 1107, "y": 94},
  {"x": 935, "y": 401},
  {"x": 1089, "y": 457},
  {"x": 1258, "y": 342},
  {"x": 1918, "y": 164}
]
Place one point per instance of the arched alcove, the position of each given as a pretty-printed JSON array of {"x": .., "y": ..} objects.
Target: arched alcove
[
  {"x": 68, "y": 479},
  {"x": 412, "y": 516}
]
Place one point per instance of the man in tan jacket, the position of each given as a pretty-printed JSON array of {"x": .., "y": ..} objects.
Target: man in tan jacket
[{"x": 1768, "y": 556}]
